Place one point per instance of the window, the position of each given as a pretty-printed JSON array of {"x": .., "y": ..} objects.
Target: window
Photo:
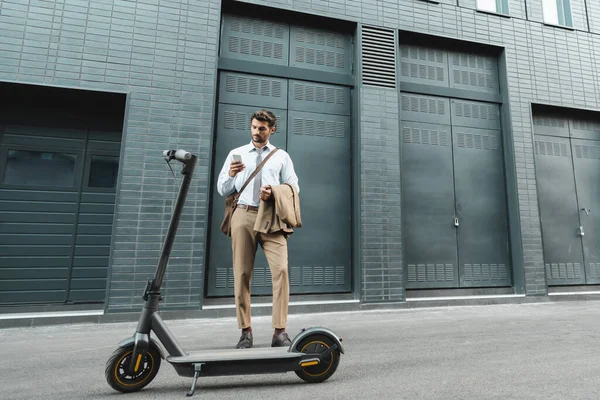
[
  {"x": 557, "y": 12},
  {"x": 103, "y": 172},
  {"x": 37, "y": 168},
  {"x": 495, "y": 6}
]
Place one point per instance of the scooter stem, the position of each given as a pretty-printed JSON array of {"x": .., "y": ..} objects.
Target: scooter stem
[
  {"x": 152, "y": 292},
  {"x": 187, "y": 172}
]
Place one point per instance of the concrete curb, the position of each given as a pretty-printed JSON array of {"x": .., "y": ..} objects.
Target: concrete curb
[{"x": 33, "y": 320}]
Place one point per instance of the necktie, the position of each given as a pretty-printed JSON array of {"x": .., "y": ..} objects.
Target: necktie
[{"x": 258, "y": 178}]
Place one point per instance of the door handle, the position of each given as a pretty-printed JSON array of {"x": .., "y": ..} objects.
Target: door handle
[
  {"x": 456, "y": 222},
  {"x": 587, "y": 211},
  {"x": 581, "y": 232}
]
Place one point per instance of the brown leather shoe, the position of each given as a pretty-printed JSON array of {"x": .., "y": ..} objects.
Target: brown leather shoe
[{"x": 281, "y": 340}]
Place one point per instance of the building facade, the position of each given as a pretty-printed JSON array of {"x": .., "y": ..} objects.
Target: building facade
[{"x": 443, "y": 147}]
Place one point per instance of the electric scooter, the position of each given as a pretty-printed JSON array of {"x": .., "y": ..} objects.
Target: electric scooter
[{"x": 314, "y": 354}]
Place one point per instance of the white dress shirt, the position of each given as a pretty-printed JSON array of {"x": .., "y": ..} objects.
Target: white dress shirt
[{"x": 277, "y": 170}]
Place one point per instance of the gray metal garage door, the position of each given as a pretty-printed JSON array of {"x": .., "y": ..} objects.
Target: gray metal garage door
[
  {"x": 567, "y": 156},
  {"x": 454, "y": 201},
  {"x": 319, "y": 145},
  {"x": 57, "y": 195},
  {"x": 314, "y": 128}
]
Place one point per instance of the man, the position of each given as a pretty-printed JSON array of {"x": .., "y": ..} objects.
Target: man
[{"x": 278, "y": 170}]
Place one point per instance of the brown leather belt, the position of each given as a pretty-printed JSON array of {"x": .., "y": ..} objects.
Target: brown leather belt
[{"x": 246, "y": 207}]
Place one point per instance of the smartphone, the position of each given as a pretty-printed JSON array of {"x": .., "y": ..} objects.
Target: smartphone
[{"x": 237, "y": 157}]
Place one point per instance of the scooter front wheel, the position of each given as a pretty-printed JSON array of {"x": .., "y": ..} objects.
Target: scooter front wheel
[
  {"x": 119, "y": 376},
  {"x": 317, "y": 344}
]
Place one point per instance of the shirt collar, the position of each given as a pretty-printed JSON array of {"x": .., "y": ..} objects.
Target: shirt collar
[{"x": 267, "y": 146}]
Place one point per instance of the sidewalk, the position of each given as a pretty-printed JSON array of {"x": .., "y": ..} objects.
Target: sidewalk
[{"x": 56, "y": 315}]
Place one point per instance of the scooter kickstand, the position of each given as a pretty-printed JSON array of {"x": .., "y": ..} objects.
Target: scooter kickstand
[{"x": 197, "y": 370}]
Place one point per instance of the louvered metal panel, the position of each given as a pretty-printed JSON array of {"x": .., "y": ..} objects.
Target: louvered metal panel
[
  {"x": 550, "y": 125},
  {"x": 320, "y": 50},
  {"x": 586, "y": 162},
  {"x": 475, "y": 114},
  {"x": 252, "y": 90},
  {"x": 563, "y": 254},
  {"x": 252, "y": 39},
  {"x": 451, "y": 168},
  {"x": 320, "y": 98},
  {"x": 585, "y": 128},
  {"x": 428, "y": 197},
  {"x": 567, "y": 155},
  {"x": 430, "y": 109},
  {"x": 473, "y": 72},
  {"x": 378, "y": 58},
  {"x": 319, "y": 144},
  {"x": 482, "y": 233},
  {"x": 423, "y": 65}
]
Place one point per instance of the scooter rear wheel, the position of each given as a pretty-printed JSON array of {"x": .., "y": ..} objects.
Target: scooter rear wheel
[
  {"x": 121, "y": 379},
  {"x": 315, "y": 344}
]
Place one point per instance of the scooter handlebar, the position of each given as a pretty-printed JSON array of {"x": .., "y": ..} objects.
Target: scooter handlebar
[{"x": 179, "y": 155}]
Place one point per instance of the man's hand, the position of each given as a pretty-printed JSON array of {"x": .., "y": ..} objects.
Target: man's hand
[
  {"x": 235, "y": 167},
  {"x": 266, "y": 193}
]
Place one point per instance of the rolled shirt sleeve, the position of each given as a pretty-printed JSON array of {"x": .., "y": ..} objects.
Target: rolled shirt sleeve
[
  {"x": 226, "y": 183},
  {"x": 288, "y": 175}
]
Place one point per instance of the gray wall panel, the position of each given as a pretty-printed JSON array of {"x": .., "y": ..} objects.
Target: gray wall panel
[{"x": 381, "y": 244}]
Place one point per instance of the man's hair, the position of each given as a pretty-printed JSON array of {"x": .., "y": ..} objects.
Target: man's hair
[{"x": 265, "y": 116}]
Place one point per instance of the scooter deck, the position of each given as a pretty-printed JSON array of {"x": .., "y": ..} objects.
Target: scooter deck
[{"x": 269, "y": 353}]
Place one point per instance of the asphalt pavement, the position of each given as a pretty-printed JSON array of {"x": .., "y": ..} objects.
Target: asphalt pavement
[{"x": 526, "y": 351}]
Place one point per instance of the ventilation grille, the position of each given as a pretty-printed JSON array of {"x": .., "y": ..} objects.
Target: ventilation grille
[
  {"x": 420, "y": 64},
  {"x": 562, "y": 271},
  {"x": 549, "y": 121},
  {"x": 300, "y": 276},
  {"x": 319, "y": 275},
  {"x": 430, "y": 272},
  {"x": 261, "y": 276},
  {"x": 551, "y": 149},
  {"x": 594, "y": 269},
  {"x": 485, "y": 272},
  {"x": 588, "y": 126},
  {"x": 474, "y": 71},
  {"x": 431, "y": 137},
  {"x": 319, "y": 127},
  {"x": 250, "y": 38},
  {"x": 318, "y": 93},
  {"x": 378, "y": 57},
  {"x": 321, "y": 49},
  {"x": 478, "y": 141},
  {"x": 476, "y": 111},
  {"x": 236, "y": 120},
  {"x": 255, "y": 27},
  {"x": 421, "y": 104},
  {"x": 587, "y": 152},
  {"x": 224, "y": 278},
  {"x": 253, "y": 86}
]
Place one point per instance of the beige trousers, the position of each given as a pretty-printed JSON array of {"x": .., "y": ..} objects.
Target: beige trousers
[{"x": 244, "y": 242}]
